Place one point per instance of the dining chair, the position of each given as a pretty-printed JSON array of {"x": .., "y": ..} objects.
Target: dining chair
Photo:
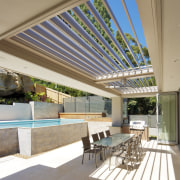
[
  {"x": 125, "y": 156},
  {"x": 108, "y": 133},
  {"x": 140, "y": 144},
  {"x": 101, "y": 135},
  {"x": 87, "y": 148},
  {"x": 135, "y": 151},
  {"x": 95, "y": 137}
]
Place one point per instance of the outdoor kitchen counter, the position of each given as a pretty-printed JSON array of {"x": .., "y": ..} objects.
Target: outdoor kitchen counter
[{"x": 126, "y": 129}]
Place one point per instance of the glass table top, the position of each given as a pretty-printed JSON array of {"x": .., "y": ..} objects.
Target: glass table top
[{"x": 114, "y": 140}]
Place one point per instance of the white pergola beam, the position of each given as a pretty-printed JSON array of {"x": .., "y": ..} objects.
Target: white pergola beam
[{"x": 124, "y": 75}]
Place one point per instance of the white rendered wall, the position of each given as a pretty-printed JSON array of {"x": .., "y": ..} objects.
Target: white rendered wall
[
  {"x": 117, "y": 111},
  {"x": 17, "y": 111}
]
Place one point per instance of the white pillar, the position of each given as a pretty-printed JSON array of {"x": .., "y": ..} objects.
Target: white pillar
[{"x": 117, "y": 111}]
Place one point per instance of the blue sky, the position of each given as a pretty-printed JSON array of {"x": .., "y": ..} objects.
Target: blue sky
[{"x": 120, "y": 14}]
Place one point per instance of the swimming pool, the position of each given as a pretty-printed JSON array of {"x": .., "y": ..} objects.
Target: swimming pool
[{"x": 38, "y": 123}]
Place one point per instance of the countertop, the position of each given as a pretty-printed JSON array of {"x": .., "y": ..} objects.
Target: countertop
[{"x": 127, "y": 125}]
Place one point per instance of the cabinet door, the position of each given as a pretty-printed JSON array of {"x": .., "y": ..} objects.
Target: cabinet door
[
  {"x": 143, "y": 135},
  {"x": 146, "y": 134},
  {"x": 125, "y": 130},
  {"x": 133, "y": 132}
]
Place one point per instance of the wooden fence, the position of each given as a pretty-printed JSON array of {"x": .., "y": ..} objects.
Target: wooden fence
[{"x": 55, "y": 96}]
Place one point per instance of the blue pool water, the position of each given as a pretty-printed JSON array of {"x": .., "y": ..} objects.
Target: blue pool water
[{"x": 38, "y": 123}]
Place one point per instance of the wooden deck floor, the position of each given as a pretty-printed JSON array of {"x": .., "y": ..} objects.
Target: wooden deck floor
[{"x": 159, "y": 162}]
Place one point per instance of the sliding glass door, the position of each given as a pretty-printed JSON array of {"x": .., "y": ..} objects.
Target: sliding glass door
[{"x": 167, "y": 118}]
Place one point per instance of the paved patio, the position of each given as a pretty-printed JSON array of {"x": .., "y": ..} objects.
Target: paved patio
[{"x": 159, "y": 162}]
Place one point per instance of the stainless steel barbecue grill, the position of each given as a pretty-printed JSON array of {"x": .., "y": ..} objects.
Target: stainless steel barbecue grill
[{"x": 137, "y": 125}]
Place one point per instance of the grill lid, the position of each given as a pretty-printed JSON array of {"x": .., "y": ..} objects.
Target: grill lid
[{"x": 137, "y": 125}]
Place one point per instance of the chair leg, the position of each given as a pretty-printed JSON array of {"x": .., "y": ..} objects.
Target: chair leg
[
  {"x": 110, "y": 159},
  {"x": 95, "y": 160},
  {"x": 132, "y": 165},
  {"x": 104, "y": 154},
  {"x": 109, "y": 162},
  {"x": 141, "y": 148},
  {"x": 89, "y": 156},
  {"x": 83, "y": 158},
  {"x": 127, "y": 166}
]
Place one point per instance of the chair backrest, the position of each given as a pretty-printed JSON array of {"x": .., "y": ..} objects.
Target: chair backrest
[
  {"x": 101, "y": 135},
  {"x": 128, "y": 151},
  {"x": 108, "y": 133},
  {"x": 135, "y": 143},
  {"x": 140, "y": 137},
  {"x": 86, "y": 143},
  {"x": 95, "y": 137}
]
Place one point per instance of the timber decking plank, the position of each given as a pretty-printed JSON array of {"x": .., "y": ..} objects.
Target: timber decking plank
[
  {"x": 170, "y": 167},
  {"x": 141, "y": 169}
]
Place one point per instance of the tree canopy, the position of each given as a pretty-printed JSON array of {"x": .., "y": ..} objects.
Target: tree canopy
[{"x": 145, "y": 105}]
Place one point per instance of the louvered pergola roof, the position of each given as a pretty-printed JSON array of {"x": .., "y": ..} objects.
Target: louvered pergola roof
[{"x": 64, "y": 40}]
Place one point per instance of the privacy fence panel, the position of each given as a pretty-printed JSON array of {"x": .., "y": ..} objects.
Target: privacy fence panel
[
  {"x": 70, "y": 104},
  {"x": 88, "y": 104}
]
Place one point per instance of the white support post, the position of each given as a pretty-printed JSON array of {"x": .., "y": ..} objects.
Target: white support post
[{"x": 117, "y": 111}]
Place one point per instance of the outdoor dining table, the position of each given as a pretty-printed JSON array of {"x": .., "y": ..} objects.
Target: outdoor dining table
[{"x": 113, "y": 141}]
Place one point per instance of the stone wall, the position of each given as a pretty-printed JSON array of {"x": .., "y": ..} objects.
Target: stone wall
[
  {"x": 43, "y": 110},
  {"x": 9, "y": 141}
]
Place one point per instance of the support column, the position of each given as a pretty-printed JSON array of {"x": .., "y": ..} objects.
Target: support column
[
  {"x": 117, "y": 111},
  {"x": 178, "y": 114}
]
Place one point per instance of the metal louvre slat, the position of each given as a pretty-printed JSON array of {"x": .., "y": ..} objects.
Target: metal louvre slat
[
  {"x": 133, "y": 29},
  {"x": 57, "y": 49},
  {"x": 103, "y": 24},
  {"x": 70, "y": 50},
  {"x": 120, "y": 30},
  {"x": 79, "y": 13},
  {"x": 50, "y": 51},
  {"x": 75, "y": 25},
  {"x": 50, "y": 27},
  {"x": 73, "y": 35},
  {"x": 137, "y": 82}
]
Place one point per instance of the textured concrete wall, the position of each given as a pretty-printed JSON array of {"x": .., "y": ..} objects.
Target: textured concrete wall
[
  {"x": 17, "y": 111},
  {"x": 47, "y": 138},
  {"x": 42, "y": 110},
  {"x": 9, "y": 141}
]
